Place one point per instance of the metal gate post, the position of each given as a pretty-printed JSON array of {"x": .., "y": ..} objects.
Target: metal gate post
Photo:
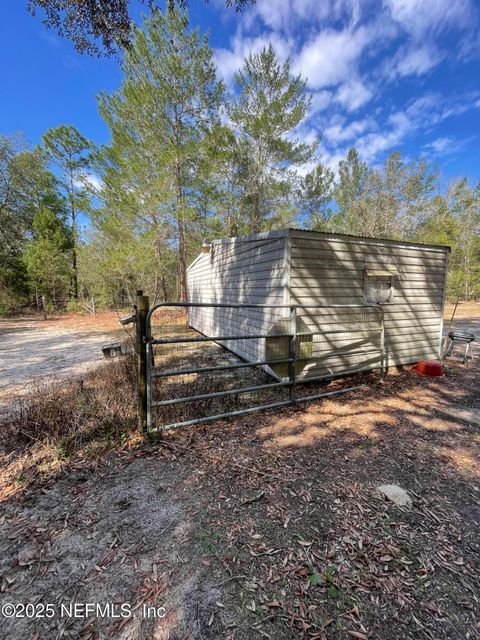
[
  {"x": 141, "y": 358},
  {"x": 292, "y": 354}
]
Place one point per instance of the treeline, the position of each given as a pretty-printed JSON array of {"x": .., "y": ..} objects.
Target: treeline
[{"x": 189, "y": 161}]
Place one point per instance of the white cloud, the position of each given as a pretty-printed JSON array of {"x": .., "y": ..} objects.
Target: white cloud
[
  {"x": 320, "y": 101},
  {"x": 332, "y": 158},
  {"x": 445, "y": 146},
  {"x": 353, "y": 94},
  {"x": 305, "y": 135},
  {"x": 339, "y": 46},
  {"x": 342, "y": 132},
  {"x": 397, "y": 127},
  {"x": 230, "y": 60},
  {"x": 286, "y": 15},
  {"x": 440, "y": 145},
  {"x": 331, "y": 56},
  {"x": 417, "y": 17},
  {"x": 414, "y": 61},
  {"x": 433, "y": 108},
  {"x": 88, "y": 180},
  {"x": 423, "y": 113}
]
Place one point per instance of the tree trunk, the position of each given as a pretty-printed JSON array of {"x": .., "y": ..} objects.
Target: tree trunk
[
  {"x": 182, "y": 260},
  {"x": 74, "y": 239},
  {"x": 157, "y": 246},
  {"x": 164, "y": 288},
  {"x": 182, "y": 241},
  {"x": 75, "y": 278}
]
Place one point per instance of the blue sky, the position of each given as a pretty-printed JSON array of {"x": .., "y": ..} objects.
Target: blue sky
[{"x": 397, "y": 74}]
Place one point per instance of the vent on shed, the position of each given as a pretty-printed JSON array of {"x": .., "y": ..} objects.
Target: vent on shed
[{"x": 380, "y": 283}]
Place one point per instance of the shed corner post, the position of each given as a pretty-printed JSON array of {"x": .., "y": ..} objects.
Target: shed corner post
[
  {"x": 292, "y": 354},
  {"x": 442, "y": 340},
  {"x": 142, "y": 307},
  {"x": 383, "y": 362}
]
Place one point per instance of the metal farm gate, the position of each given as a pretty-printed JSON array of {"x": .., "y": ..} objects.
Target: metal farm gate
[{"x": 186, "y": 378}]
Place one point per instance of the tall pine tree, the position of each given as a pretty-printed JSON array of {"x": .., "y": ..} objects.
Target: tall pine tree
[
  {"x": 271, "y": 103},
  {"x": 69, "y": 151},
  {"x": 159, "y": 119}
]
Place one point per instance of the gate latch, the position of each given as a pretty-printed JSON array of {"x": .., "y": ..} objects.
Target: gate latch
[{"x": 128, "y": 319}]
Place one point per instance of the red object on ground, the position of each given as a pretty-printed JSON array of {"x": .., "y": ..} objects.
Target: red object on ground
[{"x": 431, "y": 368}]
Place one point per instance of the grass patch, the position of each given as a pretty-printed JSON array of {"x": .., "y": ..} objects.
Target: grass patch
[{"x": 58, "y": 421}]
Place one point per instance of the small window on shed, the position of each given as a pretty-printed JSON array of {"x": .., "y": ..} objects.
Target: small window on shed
[{"x": 379, "y": 286}]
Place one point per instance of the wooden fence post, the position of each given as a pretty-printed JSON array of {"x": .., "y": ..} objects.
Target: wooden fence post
[{"x": 142, "y": 307}]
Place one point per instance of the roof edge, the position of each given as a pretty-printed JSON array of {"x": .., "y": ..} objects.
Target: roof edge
[
  {"x": 264, "y": 235},
  {"x": 407, "y": 243}
]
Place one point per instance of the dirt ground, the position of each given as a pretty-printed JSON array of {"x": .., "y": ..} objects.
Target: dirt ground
[
  {"x": 67, "y": 345},
  {"x": 268, "y": 526}
]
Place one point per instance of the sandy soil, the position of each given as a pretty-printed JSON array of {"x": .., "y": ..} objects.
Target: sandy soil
[
  {"x": 65, "y": 346},
  {"x": 70, "y": 345},
  {"x": 268, "y": 526}
]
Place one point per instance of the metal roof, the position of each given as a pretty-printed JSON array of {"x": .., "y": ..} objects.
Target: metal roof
[
  {"x": 351, "y": 235},
  {"x": 284, "y": 232}
]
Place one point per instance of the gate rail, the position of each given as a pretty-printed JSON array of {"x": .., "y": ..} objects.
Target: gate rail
[{"x": 146, "y": 372}]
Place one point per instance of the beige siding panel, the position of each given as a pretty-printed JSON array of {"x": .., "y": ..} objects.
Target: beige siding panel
[
  {"x": 299, "y": 237},
  {"x": 404, "y": 266},
  {"x": 322, "y": 269},
  {"x": 341, "y": 274},
  {"x": 248, "y": 272},
  {"x": 409, "y": 283},
  {"x": 339, "y": 248},
  {"x": 331, "y": 270}
]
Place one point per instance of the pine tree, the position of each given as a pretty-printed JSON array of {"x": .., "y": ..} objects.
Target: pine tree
[
  {"x": 47, "y": 256},
  {"x": 350, "y": 194},
  {"x": 69, "y": 151},
  {"x": 159, "y": 119},
  {"x": 465, "y": 206},
  {"x": 316, "y": 194},
  {"x": 270, "y": 105},
  {"x": 25, "y": 188}
]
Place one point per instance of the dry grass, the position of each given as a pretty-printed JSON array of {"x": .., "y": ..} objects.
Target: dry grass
[
  {"x": 465, "y": 309},
  {"x": 56, "y": 421}
]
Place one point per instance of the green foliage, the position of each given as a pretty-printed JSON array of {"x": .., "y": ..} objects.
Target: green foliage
[
  {"x": 26, "y": 187},
  {"x": 390, "y": 201},
  {"x": 159, "y": 121},
  {"x": 270, "y": 105},
  {"x": 350, "y": 192},
  {"x": 47, "y": 257},
  {"x": 72, "y": 306},
  {"x": 330, "y": 573},
  {"x": 69, "y": 151},
  {"x": 316, "y": 193}
]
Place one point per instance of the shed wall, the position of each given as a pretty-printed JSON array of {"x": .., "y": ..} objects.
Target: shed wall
[
  {"x": 331, "y": 270},
  {"x": 239, "y": 270}
]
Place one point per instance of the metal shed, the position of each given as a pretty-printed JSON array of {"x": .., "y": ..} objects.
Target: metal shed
[{"x": 405, "y": 281}]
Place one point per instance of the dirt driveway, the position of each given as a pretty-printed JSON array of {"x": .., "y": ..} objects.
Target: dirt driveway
[{"x": 31, "y": 348}]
